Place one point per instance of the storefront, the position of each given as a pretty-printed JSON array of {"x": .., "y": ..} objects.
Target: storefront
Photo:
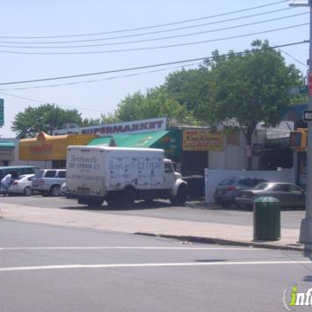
[
  {"x": 6, "y": 153},
  {"x": 187, "y": 148},
  {"x": 196, "y": 145},
  {"x": 46, "y": 147}
]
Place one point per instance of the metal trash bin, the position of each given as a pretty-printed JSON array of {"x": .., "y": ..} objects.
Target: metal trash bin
[{"x": 267, "y": 218}]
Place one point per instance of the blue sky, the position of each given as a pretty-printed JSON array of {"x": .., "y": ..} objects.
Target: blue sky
[{"x": 40, "y": 40}]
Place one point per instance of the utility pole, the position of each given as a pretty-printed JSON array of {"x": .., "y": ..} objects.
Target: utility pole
[{"x": 306, "y": 223}]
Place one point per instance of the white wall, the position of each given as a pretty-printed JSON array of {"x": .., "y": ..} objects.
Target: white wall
[
  {"x": 214, "y": 177},
  {"x": 234, "y": 157}
]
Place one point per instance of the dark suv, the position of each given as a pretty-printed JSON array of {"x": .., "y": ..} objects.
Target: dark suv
[
  {"x": 49, "y": 181},
  {"x": 228, "y": 189}
]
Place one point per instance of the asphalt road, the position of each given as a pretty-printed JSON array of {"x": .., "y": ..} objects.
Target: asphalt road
[
  {"x": 193, "y": 211},
  {"x": 50, "y": 268}
]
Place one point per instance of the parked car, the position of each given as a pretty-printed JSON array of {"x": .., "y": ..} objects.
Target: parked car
[
  {"x": 289, "y": 194},
  {"x": 227, "y": 190},
  {"x": 49, "y": 181},
  {"x": 22, "y": 185}
]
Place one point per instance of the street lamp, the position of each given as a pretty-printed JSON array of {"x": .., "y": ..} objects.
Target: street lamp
[{"x": 306, "y": 223}]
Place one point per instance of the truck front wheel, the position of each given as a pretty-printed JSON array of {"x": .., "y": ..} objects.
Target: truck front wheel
[{"x": 181, "y": 197}]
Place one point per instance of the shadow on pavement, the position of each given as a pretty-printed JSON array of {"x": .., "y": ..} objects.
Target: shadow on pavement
[{"x": 139, "y": 205}]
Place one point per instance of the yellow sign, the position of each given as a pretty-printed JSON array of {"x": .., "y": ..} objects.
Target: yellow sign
[
  {"x": 47, "y": 147},
  {"x": 202, "y": 140}
]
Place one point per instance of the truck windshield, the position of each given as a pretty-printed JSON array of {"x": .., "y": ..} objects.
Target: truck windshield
[{"x": 168, "y": 167}]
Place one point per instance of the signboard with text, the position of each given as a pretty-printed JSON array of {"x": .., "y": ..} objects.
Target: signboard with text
[
  {"x": 202, "y": 140},
  {"x": 155, "y": 124}
]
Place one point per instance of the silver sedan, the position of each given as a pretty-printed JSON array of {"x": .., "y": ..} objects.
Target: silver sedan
[
  {"x": 22, "y": 185},
  {"x": 289, "y": 194}
]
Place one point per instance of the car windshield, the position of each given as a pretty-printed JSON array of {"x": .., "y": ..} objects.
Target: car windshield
[{"x": 39, "y": 174}]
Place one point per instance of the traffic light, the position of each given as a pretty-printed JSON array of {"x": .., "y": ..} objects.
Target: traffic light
[{"x": 298, "y": 139}]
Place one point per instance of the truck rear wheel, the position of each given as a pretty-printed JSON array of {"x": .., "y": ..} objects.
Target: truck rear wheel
[
  {"x": 127, "y": 198},
  {"x": 95, "y": 203},
  {"x": 181, "y": 197}
]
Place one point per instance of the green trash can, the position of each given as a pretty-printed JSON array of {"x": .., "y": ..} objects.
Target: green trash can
[{"x": 267, "y": 218}]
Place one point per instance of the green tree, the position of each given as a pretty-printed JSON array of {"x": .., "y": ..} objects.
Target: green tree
[
  {"x": 155, "y": 103},
  {"x": 46, "y": 117},
  {"x": 252, "y": 87},
  {"x": 188, "y": 87},
  {"x": 90, "y": 122},
  {"x": 130, "y": 108}
]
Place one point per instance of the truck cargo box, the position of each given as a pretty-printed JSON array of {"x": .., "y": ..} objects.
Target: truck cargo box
[{"x": 95, "y": 170}]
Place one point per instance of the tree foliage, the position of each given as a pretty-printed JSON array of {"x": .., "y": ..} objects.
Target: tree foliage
[
  {"x": 155, "y": 103},
  {"x": 188, "y": 87},
  {"x": 46, "y": 117},
  {"x": 252, "y": 87}
]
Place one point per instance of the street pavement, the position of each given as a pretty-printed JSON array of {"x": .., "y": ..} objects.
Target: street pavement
[{"x": 186, "y": 231}]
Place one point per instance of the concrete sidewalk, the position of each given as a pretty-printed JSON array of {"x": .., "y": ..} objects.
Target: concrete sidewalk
[{"x": 180, "y": 229}]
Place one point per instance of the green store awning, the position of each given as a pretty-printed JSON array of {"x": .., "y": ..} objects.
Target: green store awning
[
  {"x": 147, "y": 139},
  {"x": 6, "y": 145},
  {"x": 102, "y": 141},
  {"x": 166, "y": 140}
]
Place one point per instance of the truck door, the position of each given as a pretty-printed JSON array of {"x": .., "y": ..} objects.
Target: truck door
[{"x": 169, "y": 175}]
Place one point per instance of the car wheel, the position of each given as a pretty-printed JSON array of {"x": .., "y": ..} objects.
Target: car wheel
[
  {"x": 27, "y": 191},
  {"x": 181, "y": 197},
  {"x": 55, "y": 190}
]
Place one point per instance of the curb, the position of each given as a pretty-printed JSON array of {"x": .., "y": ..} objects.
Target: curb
[{"x": 218, "y": 241}]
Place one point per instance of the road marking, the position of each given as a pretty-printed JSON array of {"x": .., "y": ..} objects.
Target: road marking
[
  {"x": 146, "y": 265},
  {"x": 127, "y": 247}
]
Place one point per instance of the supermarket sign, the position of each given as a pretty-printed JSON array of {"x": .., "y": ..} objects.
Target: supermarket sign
[{"x": 147, "y": 125}]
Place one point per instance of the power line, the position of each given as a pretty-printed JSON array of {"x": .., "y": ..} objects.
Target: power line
[
  {"x": 103, "y": 72},
  {"x": 156, "y": 47},
  {"x": 101, "y": 79},
  {"x": 295, "y": 59},
  {"x": 131, "y": 68},
  {"x": 39, "y": 101},
  {"x": 118, "y": 77},
  {"x": 89, "y": 81},
  {"x": 154, "y": 32},
  {"x": 160, "y": 38},
  {"x": 148, "y": 27}
]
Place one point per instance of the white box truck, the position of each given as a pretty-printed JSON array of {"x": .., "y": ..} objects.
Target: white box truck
[{"x": 120, "y": 176}]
